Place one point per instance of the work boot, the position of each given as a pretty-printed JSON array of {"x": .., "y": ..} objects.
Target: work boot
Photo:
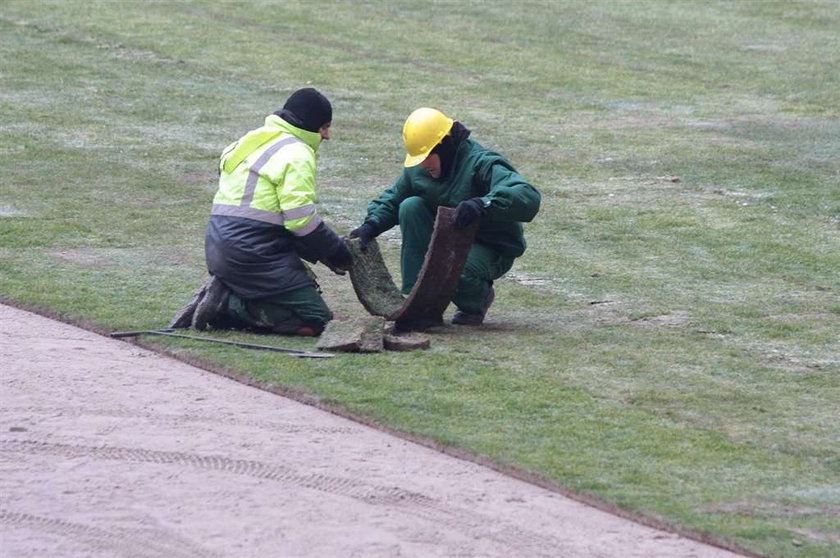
[
  {"x": 474, "y": 318},
  {"x": 214, "y": 301},
  {"x": 183, "y": 319}
]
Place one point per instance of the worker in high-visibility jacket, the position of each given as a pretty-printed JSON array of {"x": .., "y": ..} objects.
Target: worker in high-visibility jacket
[
  {"x": 264, "y": 220},
  {"x": 444, "y": 167}
]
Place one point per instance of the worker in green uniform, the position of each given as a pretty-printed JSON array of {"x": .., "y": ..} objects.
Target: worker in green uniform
[
  {"x": 263, "y": 221},
  {"x": 444, "y": 167}
]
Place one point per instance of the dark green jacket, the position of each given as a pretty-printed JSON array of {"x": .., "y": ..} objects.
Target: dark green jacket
[{"x": 476, "y": 172}]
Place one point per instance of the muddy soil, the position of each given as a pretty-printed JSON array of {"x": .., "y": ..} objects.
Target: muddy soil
[{"x": 107, "y": 449}]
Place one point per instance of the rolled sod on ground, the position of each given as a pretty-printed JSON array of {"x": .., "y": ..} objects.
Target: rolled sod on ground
[
  {"x": 358, "y": 335},
  {"x": 408, "y": 341},
  {"x": 369, "y": 334}
]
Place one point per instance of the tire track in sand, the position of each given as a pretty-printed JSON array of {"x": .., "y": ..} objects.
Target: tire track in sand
[
  {"x": 174, "y": 419},
  {"x": 147, "y": 543},
  {"x": 470, "y": 523}
]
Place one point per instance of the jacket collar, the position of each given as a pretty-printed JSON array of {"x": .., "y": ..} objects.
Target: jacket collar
[
  {"x": 312, "y": 139},
  {"x": 250, "y": 142}
]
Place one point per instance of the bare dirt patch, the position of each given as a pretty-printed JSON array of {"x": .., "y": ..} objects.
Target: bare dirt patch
[{"x": 108, "y": 449}]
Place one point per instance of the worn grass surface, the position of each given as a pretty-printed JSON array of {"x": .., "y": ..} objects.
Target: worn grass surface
[{"x": 669, "y": 343}]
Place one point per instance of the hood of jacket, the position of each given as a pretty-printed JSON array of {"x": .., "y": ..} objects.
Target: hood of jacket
[{"x": 272, "y": 128}]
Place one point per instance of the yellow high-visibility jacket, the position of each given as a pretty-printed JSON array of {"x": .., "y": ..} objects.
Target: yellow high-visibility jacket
[{"x": 264, "y": 215}]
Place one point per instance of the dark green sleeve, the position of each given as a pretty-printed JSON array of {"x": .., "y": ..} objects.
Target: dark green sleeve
[
  {"x": 510, "y": 196},
  {"x": 384, "y": 211}
]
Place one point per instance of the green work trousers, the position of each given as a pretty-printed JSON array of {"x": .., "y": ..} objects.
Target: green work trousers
[
  {"x": 484, "y": 264},
  {"x": 285, "y": 313}
]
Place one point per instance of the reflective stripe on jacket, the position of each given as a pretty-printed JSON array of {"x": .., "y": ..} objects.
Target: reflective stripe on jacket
[
  {"x": 264, "y": 218},
  {"x": 269, "y": 176}
]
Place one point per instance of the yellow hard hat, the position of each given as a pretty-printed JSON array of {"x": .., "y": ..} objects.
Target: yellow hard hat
[{"x": 422, "y": 131}]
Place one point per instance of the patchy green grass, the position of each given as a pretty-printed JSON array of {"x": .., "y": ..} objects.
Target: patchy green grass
[{"x": 669, "y": 342}]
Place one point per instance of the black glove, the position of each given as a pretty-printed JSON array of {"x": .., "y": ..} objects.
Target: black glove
[
  {"x": 365, "y": 234},
  {"x": 341, "y": 260},
  {"x": 468, "y": 211}
]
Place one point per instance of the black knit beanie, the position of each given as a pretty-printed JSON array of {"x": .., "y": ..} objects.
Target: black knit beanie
[{"x": 306, "y": 108}]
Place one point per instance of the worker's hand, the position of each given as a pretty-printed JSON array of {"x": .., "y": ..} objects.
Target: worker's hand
[
  {"x": 341, "y": 260},
  {"x": 365, "y": 234},
  {"x": 468, "y": 211}
]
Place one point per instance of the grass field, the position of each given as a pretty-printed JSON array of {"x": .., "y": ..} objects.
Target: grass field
[{"x": 669, "y": 343}]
